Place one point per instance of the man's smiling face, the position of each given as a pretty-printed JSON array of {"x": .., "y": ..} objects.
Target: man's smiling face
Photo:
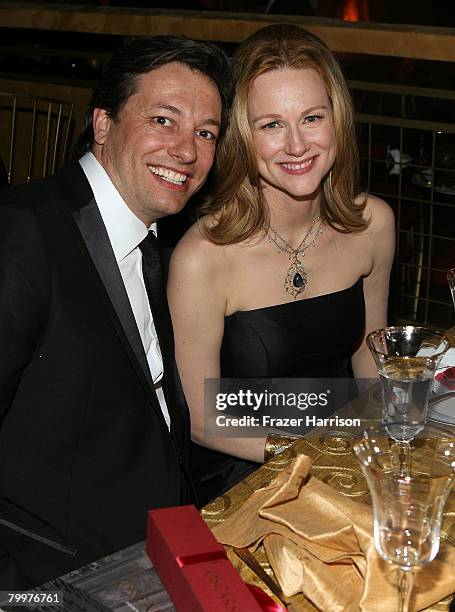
[{"x": 160, "y": 147}]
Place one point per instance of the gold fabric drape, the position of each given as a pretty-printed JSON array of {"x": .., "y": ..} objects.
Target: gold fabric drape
[{"x": 320, "y": 543}]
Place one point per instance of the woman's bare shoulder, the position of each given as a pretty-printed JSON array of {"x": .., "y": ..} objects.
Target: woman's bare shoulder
[
  {"x": 195, "y": 251},
  {"x": 377, "y": 212}
]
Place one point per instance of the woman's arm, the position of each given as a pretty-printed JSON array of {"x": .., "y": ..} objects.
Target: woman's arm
[
  {"x": 197, "y": 290},
  {"x": 380, "y": 236}
]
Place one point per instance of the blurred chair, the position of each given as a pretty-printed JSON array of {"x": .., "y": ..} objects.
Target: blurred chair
[{"x": 34, "y": 135}]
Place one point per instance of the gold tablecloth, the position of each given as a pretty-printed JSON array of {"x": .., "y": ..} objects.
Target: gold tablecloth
[{"x": 335, "y": 464}]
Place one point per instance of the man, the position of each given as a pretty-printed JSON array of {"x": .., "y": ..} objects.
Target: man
[{"x": 92, "y": 431}]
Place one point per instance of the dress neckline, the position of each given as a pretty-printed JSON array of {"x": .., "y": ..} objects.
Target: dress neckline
[{"x": 305, "y": 300}]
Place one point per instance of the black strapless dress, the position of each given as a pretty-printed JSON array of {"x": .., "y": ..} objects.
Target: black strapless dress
[{"x": 308, "y": 338}]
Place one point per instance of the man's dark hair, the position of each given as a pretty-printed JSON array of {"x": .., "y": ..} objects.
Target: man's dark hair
[{"x": 141, "y": 55}]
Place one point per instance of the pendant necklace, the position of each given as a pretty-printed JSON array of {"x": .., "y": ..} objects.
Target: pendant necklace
[{"x": 296, "y": 277}]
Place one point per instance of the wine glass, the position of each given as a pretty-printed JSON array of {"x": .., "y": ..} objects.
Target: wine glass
[
  {"x": 407, "y": 509},
  {"x": 451, "y": 281},
  {"x": 406, "y": 358}
]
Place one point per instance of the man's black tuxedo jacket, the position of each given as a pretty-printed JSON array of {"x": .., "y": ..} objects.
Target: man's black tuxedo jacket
[{"x": 84, "y": 448}]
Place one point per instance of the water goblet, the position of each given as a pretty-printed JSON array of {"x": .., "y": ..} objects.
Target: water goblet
[
  {"x": 451, "y": 281},
  {"x": 406, "y": 358},
  {"x": 407, "y": 509}
]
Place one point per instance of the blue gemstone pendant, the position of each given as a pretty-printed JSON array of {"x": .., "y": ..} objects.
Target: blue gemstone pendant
[{"x": 296, "y": 279}]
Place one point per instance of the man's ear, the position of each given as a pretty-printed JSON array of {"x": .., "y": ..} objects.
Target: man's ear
[{"x": 101, "y": 125}]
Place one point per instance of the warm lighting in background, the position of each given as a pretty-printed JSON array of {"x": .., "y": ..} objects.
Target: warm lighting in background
[{"x": 355, "y": 10}]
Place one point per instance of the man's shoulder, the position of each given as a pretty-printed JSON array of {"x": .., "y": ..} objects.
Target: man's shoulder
[
  {"x": 19, "y": 203},
  {"x": 58, "y": 187},
  {"x": 26, "y": 192}
]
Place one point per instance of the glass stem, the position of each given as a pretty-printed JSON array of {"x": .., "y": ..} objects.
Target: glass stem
[
  {"x": 404, "y": 455},
  {"x": 405, "y": 583}
]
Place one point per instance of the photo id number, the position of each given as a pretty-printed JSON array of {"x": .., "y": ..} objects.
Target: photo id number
[{"x": 31, "y": 598}]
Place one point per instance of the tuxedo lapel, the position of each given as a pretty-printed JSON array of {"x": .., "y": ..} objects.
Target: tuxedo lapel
[
  {"x": 86, "y": 215},
  {"x": 93, "y": 231}
]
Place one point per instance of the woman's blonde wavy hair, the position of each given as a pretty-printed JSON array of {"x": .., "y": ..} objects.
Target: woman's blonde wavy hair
[{"x": 236, "y": 201}]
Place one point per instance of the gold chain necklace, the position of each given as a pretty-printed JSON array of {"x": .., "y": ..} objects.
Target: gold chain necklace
[{"x": 296, "y": 277}]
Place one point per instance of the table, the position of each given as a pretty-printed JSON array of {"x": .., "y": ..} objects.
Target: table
[
  {"x": 335, "y": 464},
  {"x": 126, "y": 580}
]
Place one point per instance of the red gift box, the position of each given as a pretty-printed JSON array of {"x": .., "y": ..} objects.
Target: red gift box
[{"x": 192, "y": 565}]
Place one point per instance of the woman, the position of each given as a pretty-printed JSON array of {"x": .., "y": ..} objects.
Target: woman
[{"x": 289, "y": 270}]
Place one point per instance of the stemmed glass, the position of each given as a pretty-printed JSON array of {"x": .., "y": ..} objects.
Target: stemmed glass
[
  {"x": 406, "y": 358},
  {"x": 451, "y": 281},
  {"x": 407, "y": 509}
]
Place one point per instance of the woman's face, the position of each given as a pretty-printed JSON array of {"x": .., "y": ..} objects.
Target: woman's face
[{"x": 291, "y": 121}]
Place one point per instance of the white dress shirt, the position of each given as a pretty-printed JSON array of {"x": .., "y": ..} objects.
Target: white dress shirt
[{"x": 125, "y": 232}]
